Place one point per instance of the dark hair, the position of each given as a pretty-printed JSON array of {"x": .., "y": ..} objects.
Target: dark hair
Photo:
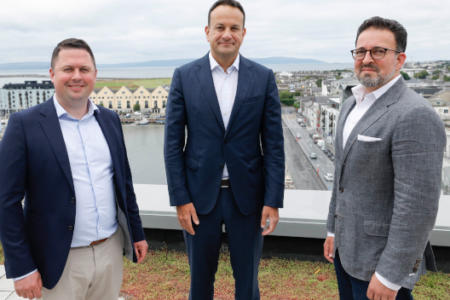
[
  {"x": 71, "y": 43},
  {"x": 232, "y": 3},
  {"x": 395, "y": 27}
]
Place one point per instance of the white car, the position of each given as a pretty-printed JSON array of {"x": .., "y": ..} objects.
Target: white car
[
  {"x": 328, "y": 177},
  {"x": 313, "y": 155}
]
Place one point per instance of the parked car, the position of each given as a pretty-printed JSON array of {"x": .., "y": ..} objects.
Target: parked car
[
  {"x": 313, "y": 155},
  {"x": 328, "y": 177}
]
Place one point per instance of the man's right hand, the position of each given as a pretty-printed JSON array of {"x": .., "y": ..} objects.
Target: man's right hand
[
  {"x": 29, "y": 287},
  {"x": 186, "y": 215},
  {"x": 328, "y": 248}
]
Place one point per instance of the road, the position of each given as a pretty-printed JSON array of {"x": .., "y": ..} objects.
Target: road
[{"x": 305, "y": 146}]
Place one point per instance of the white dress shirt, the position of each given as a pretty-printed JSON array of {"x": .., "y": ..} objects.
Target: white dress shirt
[
  {"x": 225, "y": 84},
  {"x": 363, "y": 103}
]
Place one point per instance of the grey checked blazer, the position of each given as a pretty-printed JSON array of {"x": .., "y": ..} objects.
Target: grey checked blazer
[{"x": 387, "y": 187}]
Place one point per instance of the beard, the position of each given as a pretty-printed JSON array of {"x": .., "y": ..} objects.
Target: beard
[{"x": 376, "y": 82}]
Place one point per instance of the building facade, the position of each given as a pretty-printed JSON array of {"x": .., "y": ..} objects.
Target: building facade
[{"x": 18, "y": 96}]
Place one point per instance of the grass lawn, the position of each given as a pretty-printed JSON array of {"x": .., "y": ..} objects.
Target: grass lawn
[
  {"x": 165, "y": 275},
  {"x": 132, "y": 83}
]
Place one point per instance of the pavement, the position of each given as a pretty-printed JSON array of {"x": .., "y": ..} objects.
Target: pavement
[{"x": 7, "y": 287}]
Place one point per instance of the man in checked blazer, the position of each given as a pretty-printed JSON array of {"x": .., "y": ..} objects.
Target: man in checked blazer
[{"x": 389, "y": 150}]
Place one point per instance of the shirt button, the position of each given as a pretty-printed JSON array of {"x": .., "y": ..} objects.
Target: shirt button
[
  {"x": 70, "y": 228},
  {"x": 72, "y": 200},
  {"x": 341, "y": 189}
]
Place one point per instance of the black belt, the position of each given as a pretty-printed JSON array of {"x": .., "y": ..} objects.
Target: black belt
[{"x": 225, "y": 183}]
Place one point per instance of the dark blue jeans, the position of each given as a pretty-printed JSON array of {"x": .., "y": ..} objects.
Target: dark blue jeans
[{"x": 351, "y": 288}]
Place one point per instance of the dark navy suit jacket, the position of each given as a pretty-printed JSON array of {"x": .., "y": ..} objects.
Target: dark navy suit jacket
[
  {"x": 34, "y": 164},
  {"x": 252, "y": 145}
]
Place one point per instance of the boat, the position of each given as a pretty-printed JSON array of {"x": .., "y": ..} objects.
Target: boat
[{"x": 143, "y": 121}]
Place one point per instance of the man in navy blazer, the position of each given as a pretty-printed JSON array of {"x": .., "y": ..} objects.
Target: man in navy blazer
[
  {"x": 67, "y": 159},
  {"x": 229, "y": 169}
]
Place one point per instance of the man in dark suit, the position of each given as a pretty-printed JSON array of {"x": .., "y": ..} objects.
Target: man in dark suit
[
  {"x": 230, "y": 167},
  {"x": 67, "y": 157},
  {"x": 389, "y": 151}
]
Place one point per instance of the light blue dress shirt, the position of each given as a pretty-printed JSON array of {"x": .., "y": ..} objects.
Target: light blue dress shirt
[{"x": 92, "y": 173}]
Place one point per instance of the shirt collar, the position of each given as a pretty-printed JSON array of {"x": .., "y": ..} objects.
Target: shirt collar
[
  {"x": 214, "y": 64},
  {"x": 61, "y": 112},
  {"x": 359, "y": 91}
]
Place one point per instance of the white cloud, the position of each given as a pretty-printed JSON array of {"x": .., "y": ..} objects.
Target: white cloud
[{"x": 137, "y": 30}]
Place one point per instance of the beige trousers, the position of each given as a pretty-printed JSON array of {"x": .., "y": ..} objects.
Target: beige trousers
[{"x": 91, "y": 273}]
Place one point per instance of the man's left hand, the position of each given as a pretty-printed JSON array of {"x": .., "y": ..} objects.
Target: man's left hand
[
  {"x": 141, "y": 249},
  {"x": 377, "y": 290},
  {"x": 271, "y": 214}
]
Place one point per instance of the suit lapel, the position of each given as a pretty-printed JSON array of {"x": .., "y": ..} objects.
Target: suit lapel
[
  {"x": 50, "y": 125},
  {"x": 375, "y": 112},
  {"x": 346, "y": 109},
  {"x": 206, "y": 83},
  {"x": 245, "y": 79}
]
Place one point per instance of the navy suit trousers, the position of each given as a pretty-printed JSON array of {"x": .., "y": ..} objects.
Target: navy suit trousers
[
  {"x": 351, "y": 288},
  {"x": 245, "y": 244}
]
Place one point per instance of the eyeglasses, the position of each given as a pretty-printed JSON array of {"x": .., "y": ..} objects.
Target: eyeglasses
[{"x": 375, "y": 53}]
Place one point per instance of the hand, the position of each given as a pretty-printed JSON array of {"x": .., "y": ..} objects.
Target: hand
[
  {"x": 328, "y": 248},
  {"x": 270, "y": 213},
  {"x": 186, "y": 215},
  {"x": 29, "y": 287},
  {"x": 140, "y": 248},
  {"x": 377, "y": 291}
]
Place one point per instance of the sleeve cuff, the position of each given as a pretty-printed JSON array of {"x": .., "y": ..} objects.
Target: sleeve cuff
[
  {"x": 387, "y": 283},
  {"x": 330, "y": 234},
  {"x": 26, "y": 275}
]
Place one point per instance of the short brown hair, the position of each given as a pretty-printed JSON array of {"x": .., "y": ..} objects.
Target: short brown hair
[
  {"x": 232, "y": 3},
  {"x": 71, "y": 43}
]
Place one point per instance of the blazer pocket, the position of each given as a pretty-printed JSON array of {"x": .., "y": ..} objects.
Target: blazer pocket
[
  {"x": 376, "y": 229},
  {"x": 368, "y": 139},
  {"x": 252, "y": 100}
]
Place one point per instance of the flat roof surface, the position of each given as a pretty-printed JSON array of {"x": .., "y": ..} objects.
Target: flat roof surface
[{"x": 304, "y": 213}]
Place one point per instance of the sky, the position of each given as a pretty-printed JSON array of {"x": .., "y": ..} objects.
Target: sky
[{"x": 121, "y": 31}]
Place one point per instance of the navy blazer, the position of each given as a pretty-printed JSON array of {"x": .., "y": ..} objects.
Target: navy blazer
[
  {"x": 252, "y": 146},
  {"x": 34, "y": 164}
]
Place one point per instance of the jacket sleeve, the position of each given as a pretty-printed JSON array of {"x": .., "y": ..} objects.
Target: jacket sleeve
[
  {"x": 418, "y": 143},
  {"x": 13, "y": 170},
  {"x": 132, "y": 207},
  {"x": 174, "y": 142},
  {"x": 273, "y": 146}
]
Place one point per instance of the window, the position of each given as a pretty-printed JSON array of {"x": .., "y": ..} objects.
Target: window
[
  {"x": 128, "y": 104},
  {"x": 146, "y": 104}
]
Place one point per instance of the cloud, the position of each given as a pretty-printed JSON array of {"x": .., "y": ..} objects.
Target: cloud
[{"x": 137, "y": 30}]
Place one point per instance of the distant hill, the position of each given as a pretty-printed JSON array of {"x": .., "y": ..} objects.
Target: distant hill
[
  {"x": 159, "y": 63},
  {"x": 25, "y": 66},
  {"x": 287, "y": 60}
]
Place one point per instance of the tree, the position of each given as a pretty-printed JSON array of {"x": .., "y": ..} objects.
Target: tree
[
  {"x": 319, "y": 82},
  {"x": 446, "y": 78},
  {"x": 421, "y": 75},
  {"x": 136, "y": 107},
  {"x": 405, "y": 75}
]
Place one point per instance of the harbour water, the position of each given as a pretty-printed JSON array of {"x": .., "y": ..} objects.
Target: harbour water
[{"x": 145, "y": 153}]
